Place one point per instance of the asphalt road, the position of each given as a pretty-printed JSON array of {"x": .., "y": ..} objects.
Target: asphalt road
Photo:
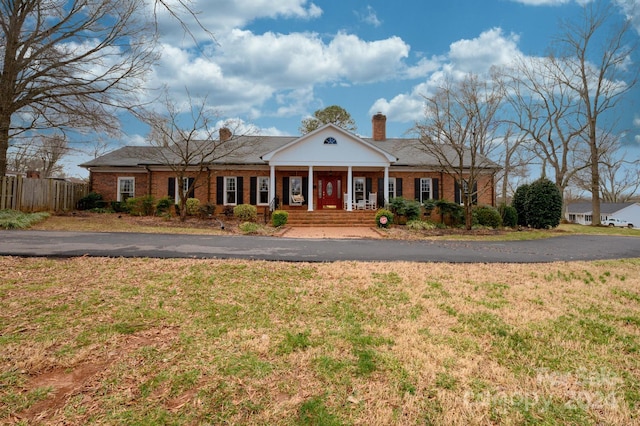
[{"x": 71, "y": 244}]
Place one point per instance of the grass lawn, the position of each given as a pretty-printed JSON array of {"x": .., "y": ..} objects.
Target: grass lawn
[{"x": 148, "y": 342}]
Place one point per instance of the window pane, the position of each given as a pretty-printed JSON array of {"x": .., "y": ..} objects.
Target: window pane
[
  {"x": 263, "y": 190},
  {"x": 126, "y": 188},
  {"x": 425, "y": 189},
  {"x": 296, "y": 185},
  {"x": 230, "y": 190},
  {"x": 358, "y": 188}
]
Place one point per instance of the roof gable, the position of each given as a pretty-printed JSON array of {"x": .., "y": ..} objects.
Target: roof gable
[{"x": 329, "y": 145}]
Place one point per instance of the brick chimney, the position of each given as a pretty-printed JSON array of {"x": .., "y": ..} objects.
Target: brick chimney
[
  {"x": 379, "y": 124},
  {"x": 225, "y": 134},
  {"x": 33, "y": 174}
]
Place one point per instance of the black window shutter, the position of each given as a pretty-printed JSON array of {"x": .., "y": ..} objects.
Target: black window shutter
[
  {"x": 435, "y": 190},
  {"x": 457, "y": 192},
  {"x": 305, "y": 190},
  {"x": 398, "y": 187},
  {"x": 369, "y": 186},
  {"x": 192, "y": 190},
  {"x": 253, "y": 188},
  {"x": 219, "y": 190},
  {"x": 285, "y": 190},
  {"x": 416, "y": 185},
  {"x": 240, "y": 190},
  {"x": 380, "y": 192},
  {"x": 171, "y": 188}
]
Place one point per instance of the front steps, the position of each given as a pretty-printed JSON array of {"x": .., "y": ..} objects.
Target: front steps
[{"x": 359, "y": 218}]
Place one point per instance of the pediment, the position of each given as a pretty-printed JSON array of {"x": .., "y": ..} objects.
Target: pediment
[{"x": 329, "y": 145}]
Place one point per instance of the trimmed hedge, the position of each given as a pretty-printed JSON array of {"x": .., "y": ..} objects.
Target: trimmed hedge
[
  {"x": 279, "y": 218},
  {"x": 487, "y": 216},
  {"x": 246, "y": 212}
]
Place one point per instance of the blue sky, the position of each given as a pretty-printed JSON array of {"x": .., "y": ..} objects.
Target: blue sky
[{"x": 276, "y": 62}]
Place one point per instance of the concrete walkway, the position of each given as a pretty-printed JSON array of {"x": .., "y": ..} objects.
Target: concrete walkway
[{"x": 331, "y": 232}]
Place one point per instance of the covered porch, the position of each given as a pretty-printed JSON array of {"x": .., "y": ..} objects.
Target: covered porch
[
  {"x": 330, "y": 169},
  {"x": 329, "y": 189}
]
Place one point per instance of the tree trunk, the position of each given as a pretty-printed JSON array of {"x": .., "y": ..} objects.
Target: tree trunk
[
  {"x": 4, "y": 143},
  {"x": 468, "y": 209},
  {"x": 595, "y": 174}
]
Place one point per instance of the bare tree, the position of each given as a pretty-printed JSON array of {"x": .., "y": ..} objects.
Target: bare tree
[
  {"x": 52, "y": 150},
  {"x": 41, "y": 153},
  {"x": 459, "y": 131},
  {"x": 513, "y": 159},
  {"x": 545, "y": 111},
  {"x": 73, "y": 64},
  {"x": 189, "y": 149},
  {"x": 619, "y": 172},
  {"x": 69, "y": 64},
  {"x": 598, "y": 74}
]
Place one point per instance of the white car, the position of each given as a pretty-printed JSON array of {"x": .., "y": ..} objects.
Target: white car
[{"x": 620, "y": 223}]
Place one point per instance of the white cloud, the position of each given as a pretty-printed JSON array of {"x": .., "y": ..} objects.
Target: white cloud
[
  {"x": 631, "y": 9},
  {"x": 221, "y": 16},
  {"x": 636, "y": 121},
  {"x": 478, "y": 55},
  {"x": 369, "y": 17},
  {"x": 246, "y": 70},
  {"x": 490, "y": 48}
]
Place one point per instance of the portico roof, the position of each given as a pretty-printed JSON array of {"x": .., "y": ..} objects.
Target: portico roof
[{"x": 329, "y": 146}]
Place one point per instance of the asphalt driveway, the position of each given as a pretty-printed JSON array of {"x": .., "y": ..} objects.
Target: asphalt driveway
[{"x": 71, "y": 244}]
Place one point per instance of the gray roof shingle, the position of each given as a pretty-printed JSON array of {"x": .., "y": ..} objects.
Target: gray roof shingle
[{"x": 252, "y": 148}]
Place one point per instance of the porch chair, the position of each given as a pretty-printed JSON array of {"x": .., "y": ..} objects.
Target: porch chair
[
  {"x": 297, "y": 200},
  {"x": 372, "y": 202},
  {"x": 345, "y": 200},
  {"x": 361, "y": 204}
]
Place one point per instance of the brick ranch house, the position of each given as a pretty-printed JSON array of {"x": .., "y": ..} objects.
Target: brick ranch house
[{"x": 329, "y": 168}]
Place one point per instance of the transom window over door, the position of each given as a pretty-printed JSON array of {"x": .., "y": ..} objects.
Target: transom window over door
[
  {"x": 126, "y": 188},
  {"x": 230, "y": 190},
  {"x": 263, "y": 190}
]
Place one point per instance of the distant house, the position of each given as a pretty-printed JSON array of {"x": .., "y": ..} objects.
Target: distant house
[
  {"x": 582, "y": 213},
  {"x": 329, "y": 168}
]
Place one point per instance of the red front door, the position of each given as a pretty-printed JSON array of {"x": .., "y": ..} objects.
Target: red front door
[{"x": 330, "y": 193}]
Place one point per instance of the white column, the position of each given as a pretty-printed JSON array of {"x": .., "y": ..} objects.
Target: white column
[
  {"x": 350, "y": 189},
  {"x": 272, "y": 184},
  {"x": 386, "y": 185},
  {"x": 310, "y": 190}
]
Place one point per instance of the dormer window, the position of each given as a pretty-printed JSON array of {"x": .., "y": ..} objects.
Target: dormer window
[{"x": 330, "y": 141}]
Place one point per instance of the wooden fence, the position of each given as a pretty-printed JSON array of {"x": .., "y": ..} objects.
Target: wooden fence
[{"x": 35, "y": 195}]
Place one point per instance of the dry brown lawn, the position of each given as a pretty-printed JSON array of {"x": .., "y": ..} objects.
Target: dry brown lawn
[{"x": 142, "y": 341}]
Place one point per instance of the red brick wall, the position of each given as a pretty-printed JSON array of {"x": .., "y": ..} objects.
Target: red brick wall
[{"x": 106, "y": 184}]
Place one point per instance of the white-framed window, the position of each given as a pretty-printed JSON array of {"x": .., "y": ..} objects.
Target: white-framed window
[
  {"x": 425, "y": 189},
  {"x": 263, "y": 190},
  {"x": 126, "y": 188},
  {"x": 230, "y": 191},
  {"x": 359, "y": 185},
  {"x": 295, "y": 190},
  {"x": 392, "y": 187},
  {"x": 183, "y": 190}
]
